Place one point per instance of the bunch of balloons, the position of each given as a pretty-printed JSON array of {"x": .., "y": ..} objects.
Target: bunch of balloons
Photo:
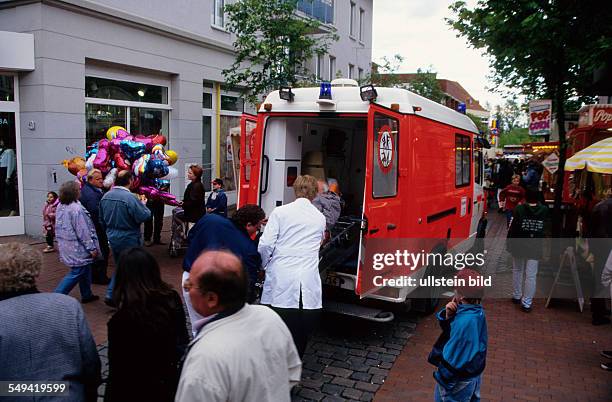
[{"x": 146, "y": 157}]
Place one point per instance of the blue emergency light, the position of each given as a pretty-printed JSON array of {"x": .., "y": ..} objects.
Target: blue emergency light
[
  {"x": 325, "y": 92},
  {"x": 461, "y": 108}
]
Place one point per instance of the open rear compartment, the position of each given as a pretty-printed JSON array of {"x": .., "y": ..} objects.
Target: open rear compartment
[{"x": 323, "y": 147}]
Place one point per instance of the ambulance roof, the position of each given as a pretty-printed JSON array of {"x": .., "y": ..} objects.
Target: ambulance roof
[{"x": 347, "y": 100}]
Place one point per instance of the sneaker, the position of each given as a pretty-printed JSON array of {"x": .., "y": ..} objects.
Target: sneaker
[
  {"x": 109, "y": 303},
  {"x": 49, "y": 249},
  {"x": 90, "y": 299},
  {"x": 606, "y": 366},
  {"x": 607, "y": 354},
  {"x": 525, "y": 309},
  {"x": 148, "y": 243},
  {"x": 516, "y": 301}
]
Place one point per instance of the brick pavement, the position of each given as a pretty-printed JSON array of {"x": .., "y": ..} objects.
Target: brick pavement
[{"x": 547, "y": 355}]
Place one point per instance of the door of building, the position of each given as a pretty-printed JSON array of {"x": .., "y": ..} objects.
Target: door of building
[{"x": 11, "y": 187}]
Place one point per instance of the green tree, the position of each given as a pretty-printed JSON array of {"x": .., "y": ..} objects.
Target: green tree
[
  {"x": 384, "y": 73},
  {"x": 482, "y": 127},
  {"x": 273, "y": 45},
  {"x": 426, "y": 84},
  {"x": 515, "y": 136},
  {"x": 544, "y": 48}
]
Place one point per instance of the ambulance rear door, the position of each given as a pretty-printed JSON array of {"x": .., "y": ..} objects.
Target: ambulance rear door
[
  {"x": 250, "y": 156},
  {"x": 381, "y": 206}
]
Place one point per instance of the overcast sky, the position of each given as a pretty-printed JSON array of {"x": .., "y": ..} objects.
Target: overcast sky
[{"x": 416, "y": 30}]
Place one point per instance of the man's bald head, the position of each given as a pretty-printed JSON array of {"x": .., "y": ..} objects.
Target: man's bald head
[
  {"x": 124, "y": 178},
  {"x": 220, "y": 272}
]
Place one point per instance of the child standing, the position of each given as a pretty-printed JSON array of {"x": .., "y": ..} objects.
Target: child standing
[
  {"x": 461, "y": 350},
  {"x": 512, "y": 195},
  {"x": 49, "y": 220}
]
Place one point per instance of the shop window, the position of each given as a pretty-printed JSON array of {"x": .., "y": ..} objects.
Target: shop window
[
  {"x": 232, "y": 103},
  {"x": 206, "y": 100},
  {"x": 100, "y": 118},
  {"x": 7, "y": 91},
  {"x": 103, "y": 88},
  {"x": 230, "y": 127},
  {"x": 9, "y": 194},
  {"x": 385, "y": 155},
  {"x": 207, "y": 152},
  {"x": 463, "y": 161},
  {"x": 148, "y": 121}
]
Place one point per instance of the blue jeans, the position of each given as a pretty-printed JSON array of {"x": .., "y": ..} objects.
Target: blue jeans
[
  {"x": 80, "y": 275},
  {"x": 462, "y": 391}
]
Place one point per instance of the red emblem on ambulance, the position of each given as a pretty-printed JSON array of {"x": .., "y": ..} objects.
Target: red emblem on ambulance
[{"x": 386, "y": 149}]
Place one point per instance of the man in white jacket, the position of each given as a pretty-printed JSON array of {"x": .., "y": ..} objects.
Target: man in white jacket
[
  {"x": 289, "y": 249},
  {"x": 241, "y": 352}
]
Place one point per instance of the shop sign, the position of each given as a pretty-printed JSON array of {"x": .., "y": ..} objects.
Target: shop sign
[
  {"x": 596, "y": 115},
  {"x": 540, "y": 112},
  {"x": 551, "y": 163}
]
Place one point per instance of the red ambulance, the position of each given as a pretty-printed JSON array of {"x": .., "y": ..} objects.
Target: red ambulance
[{"x": 407, "y": 167}]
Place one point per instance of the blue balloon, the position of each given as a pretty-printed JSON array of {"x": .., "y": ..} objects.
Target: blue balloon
[
  {"x": 156, "y": 168},
  {"x": 161, "y": 183},
  {"x": 93, "y": 149},
  {"x": 132, "y": 149}
]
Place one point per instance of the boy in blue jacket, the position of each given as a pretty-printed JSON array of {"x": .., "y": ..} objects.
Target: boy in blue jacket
[{"x": 460, "y": 351}]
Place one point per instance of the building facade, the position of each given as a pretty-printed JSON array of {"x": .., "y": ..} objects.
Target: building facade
[{"x": 151, "y": 67}]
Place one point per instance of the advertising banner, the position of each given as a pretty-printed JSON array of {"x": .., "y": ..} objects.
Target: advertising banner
[{"x": 540, "y": 112}]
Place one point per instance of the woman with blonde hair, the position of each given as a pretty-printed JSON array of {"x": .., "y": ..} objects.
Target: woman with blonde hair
[{"x": 289, "y": 249}]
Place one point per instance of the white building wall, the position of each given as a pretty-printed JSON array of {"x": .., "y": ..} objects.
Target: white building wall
[{"x": 71, "y": 37}]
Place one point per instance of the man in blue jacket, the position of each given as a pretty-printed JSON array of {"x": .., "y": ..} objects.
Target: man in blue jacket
[
  {"x": 461, "y": 350},
  {"x": 91, "y": 194},
  {"x": 214, "y": 232},
  {"x": 121, "y": 214}
]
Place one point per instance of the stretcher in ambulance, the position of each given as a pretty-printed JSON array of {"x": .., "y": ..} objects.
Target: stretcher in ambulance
[{"x": 407, "y": 168}]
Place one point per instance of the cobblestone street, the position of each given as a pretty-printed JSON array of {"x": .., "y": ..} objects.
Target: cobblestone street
[{"x": 543, "y": 356}]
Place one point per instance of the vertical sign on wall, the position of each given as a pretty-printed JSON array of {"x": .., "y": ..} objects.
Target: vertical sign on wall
[{"x": 540, "y": 114}]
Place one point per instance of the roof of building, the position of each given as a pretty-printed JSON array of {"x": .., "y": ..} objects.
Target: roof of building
[
  {"x": 451, "y": 88},
  {"x": 347, "y": 100}
]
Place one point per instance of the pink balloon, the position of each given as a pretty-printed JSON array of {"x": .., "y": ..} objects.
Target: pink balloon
[
  {"x": 121, "y": 134},
  {"x": 152, "y": 192},
  {"x": 101, "y": 160},
  {"x": 145, "y": 140}
]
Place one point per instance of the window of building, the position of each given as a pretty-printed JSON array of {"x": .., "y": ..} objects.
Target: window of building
[
  {"x": 386, "y": 137},
  {"x": 319, "y": 67},
  {"x": 218, "y": 14},
  {"x": 352, "y": 20},
  {"x": 361, "y": 22},
  {"x": 138, "y": 107},
  {"x": 360, "y": 74},
  {"x": 232, "y": 107},
  {"x": 103, "y": 88},
  {"x": 463, "y": 161},
  {"x": 332, "y": 68},
  {"x": 322, "y": 10},
  {"x": 351, "y": 71},
  {"x": 7, "y": 91}
]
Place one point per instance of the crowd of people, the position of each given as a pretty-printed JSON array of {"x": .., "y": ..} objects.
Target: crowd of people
[
  {"x": 149, "y": 350},
  {"x": 151, "y": 354}
]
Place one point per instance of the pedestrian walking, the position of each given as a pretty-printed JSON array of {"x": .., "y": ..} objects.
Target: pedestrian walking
[
  {"x": 147, "y": 336},
  {"x": 77, "y": 242},
  {"x": 241, "y": 352},
  {"x": 525, "y": 243},
  {"x": 460, "y": 352},
  {"x": 217, "y": 200},
  {"x": 600, "y": 232},
  {"x": 91, "y": 194},
  {"x": 289, "y": 249},
  {"x": 121, "y": 214},
  {"x": 214, "y": 232},
  {"x": 44, "y": 336},
  {"x": 512, "y": 196},
  {"x": 49, "y": 220}
]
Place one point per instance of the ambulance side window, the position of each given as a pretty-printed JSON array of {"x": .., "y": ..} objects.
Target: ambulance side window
[
  {"x": 386, "y": 140},
  {"x": 463, "y": 160},
  {"x": 478, "y": 166}
]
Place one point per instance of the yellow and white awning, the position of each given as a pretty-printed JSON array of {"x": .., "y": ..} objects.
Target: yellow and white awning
[{"x": 596, "y": 158}]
